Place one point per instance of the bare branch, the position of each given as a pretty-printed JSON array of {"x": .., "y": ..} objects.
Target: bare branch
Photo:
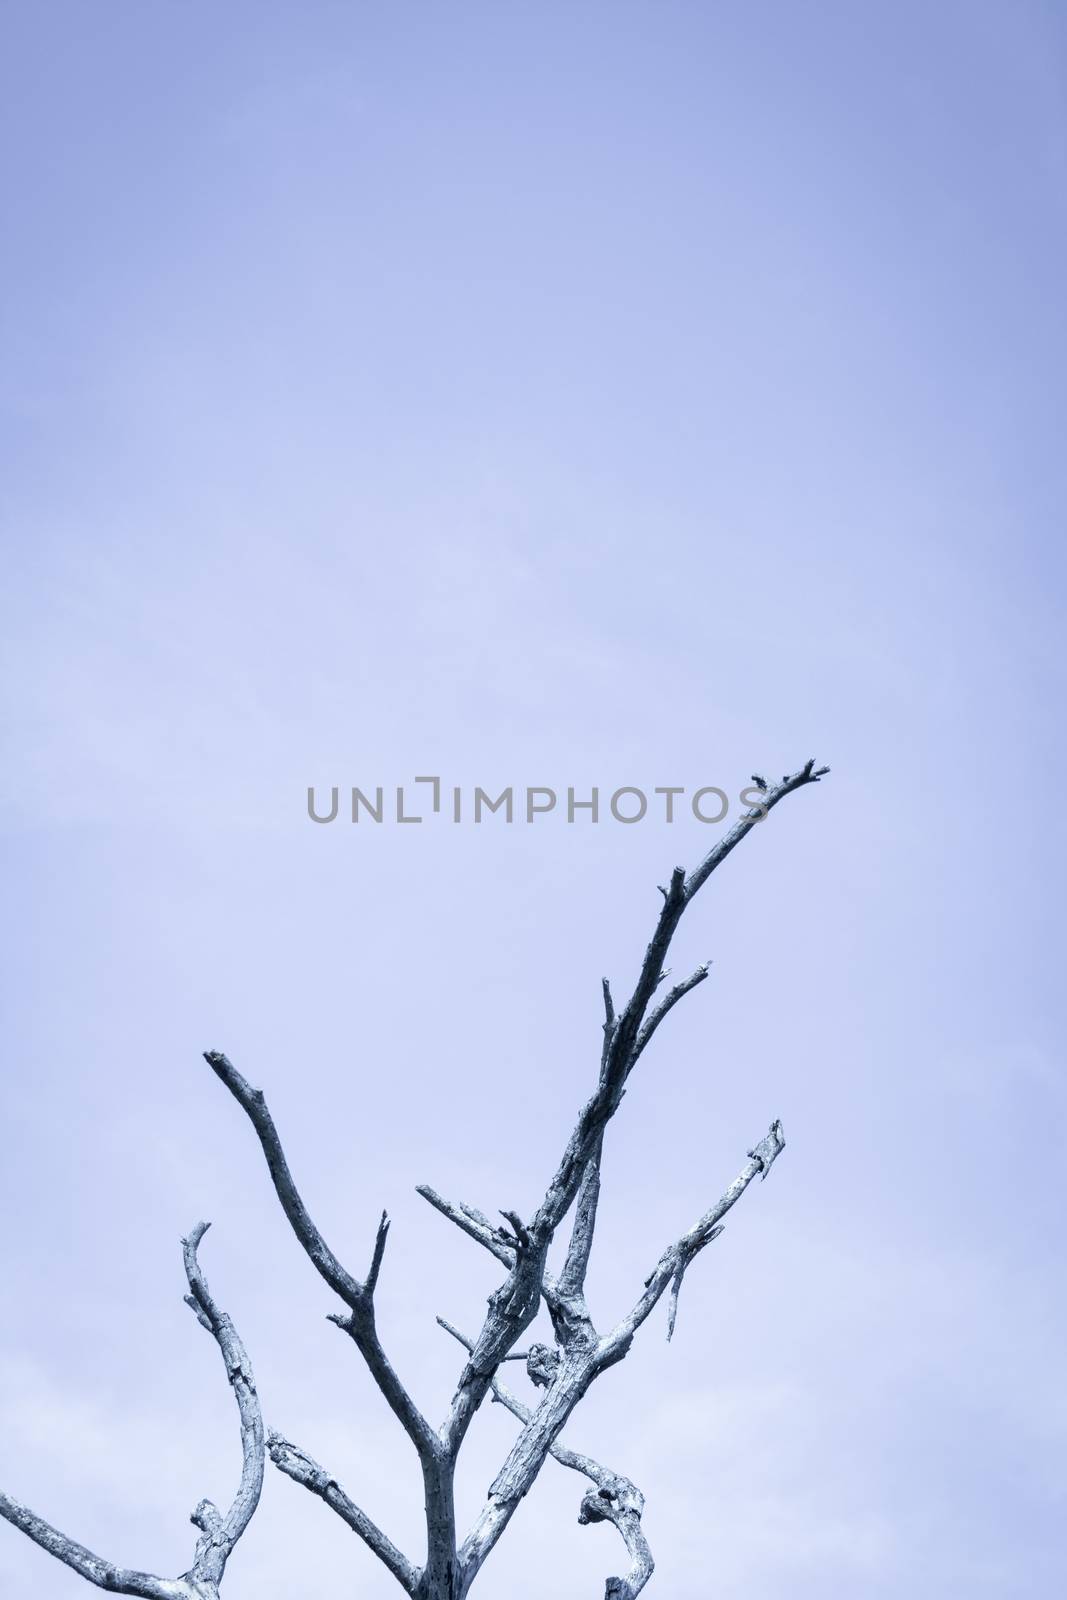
[
  {"x": 222, "y": 1533},
  {"x": 615, "y": 1499},
  {"x": 671, "y": 998},
  {"x": 513, "y": 1307},
  {"x": 360, "y": 1327},
  {"x": 318, "y": 1251},
  {"x": 609, "y": 1022},
  {"x": 630, "y": 1031},
  {"x": 472, "y": 1222},
  {"x": 564, "y": 1373},
  {"x": 522, "y": 1236},
  {"x": 808, "y": 773},
  {"x": 582, "y": 1361},
  {"x": 567, "y": 1379},
  {"x": 572, "y": 1278},
  {"x": 376, "y": 1260},
  {"x": 437, "y": 1465},
  {"x": 117, "y": 1580},
  {"x": 671, "y": 1267},
  {"x": 621, "y": 1504},
  {"x": 478, "y": 1227},
  {"x": 291, "y": 1460},
  {"x": 359, "y": 1324},
  {"x": 559, "y": 1452},
  {"x": 219, "y": 1534}
]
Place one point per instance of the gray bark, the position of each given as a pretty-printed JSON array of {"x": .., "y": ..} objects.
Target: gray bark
[
  {"x": 218, "y": 1534},
  {"x": 562, "y": 1375}
]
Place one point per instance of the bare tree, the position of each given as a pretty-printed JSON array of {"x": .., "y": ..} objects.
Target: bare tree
[{"x": 564, "y": 1372}]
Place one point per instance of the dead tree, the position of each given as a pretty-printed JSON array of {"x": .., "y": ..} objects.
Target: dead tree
[{"x": 562, "y": 1375}]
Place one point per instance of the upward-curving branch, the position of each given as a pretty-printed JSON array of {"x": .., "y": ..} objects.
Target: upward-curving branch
[{"x": 219, "y": 1534}]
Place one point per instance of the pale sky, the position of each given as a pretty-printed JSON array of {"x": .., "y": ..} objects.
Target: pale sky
[{"x": 555, "y": 395}]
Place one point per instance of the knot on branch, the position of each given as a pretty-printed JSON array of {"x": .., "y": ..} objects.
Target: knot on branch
[
  {"x": 207, "y": 1518},
  {"x": 598, "y": 1505},
  {"x": 612, "y": 1489},
  {"x": 617, "y": 1589},
  {"x": 609, "y": 1500},
  {"x": 542, "y": 1364}
]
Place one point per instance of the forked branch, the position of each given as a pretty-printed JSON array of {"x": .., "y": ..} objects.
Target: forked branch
[
  {"x": 359, "y": 1323},
  {"x": 514, "y": 1305},
  {"x": 358, "y": 1297}
]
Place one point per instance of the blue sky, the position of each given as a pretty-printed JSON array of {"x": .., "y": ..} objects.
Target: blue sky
[{"x": 557, "y": 395}]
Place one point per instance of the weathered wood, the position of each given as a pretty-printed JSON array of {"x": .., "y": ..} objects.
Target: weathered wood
[
  {"x": 561, "y": 1375},
  {"x": 219, "y": 1534}
]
